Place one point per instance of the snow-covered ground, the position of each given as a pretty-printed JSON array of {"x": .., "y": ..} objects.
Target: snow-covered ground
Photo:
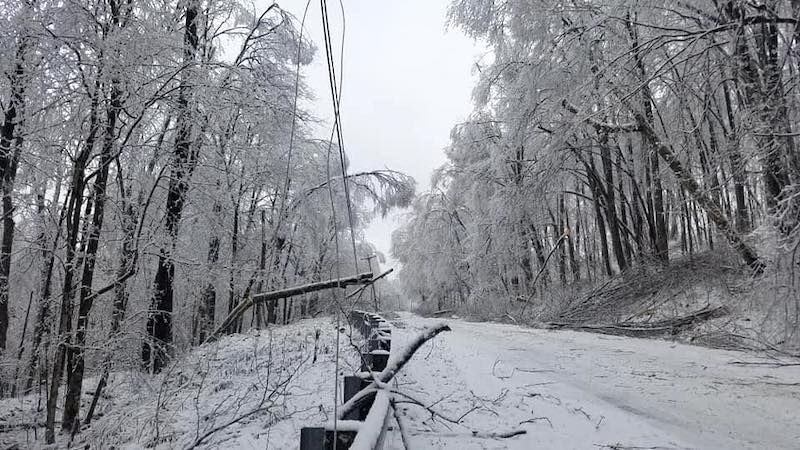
[
  {"x": 586, "y": 391},
  {"x": 564, "y": 389},
  {"x": 254, "y": 390}
]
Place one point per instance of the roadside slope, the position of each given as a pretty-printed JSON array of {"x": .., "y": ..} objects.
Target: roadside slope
[{"x": 252, "y": 390}]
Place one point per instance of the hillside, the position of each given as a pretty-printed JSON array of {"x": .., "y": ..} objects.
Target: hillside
[{"x": 253, "y": 390}]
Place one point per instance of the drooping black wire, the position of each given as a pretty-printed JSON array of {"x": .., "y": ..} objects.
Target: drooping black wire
[
  {"x": 337, "y": 131},
  {"x": 335, "y": 97}
]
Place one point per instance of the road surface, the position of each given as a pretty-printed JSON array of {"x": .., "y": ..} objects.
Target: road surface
[{"x": 588, "y": 391}]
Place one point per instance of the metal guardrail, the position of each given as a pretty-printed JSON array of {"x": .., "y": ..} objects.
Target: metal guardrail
[{"x": 365, "y": 427}]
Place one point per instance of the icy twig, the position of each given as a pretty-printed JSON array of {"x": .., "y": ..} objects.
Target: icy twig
[{"x": 534, "y": 419}]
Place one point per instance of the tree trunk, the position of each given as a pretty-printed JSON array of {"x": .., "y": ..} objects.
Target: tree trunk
[
  {"x": 75, "y": 376},
  {"x": 233, "y": 298},
  {"x": 712, "y": 209},
  {"x": 601, "y": 227},
  {"x": 610, "y": 202},
  {"x": 208, "y": 304},
  {"x": 128, "y": 262},
  {"x": 42, "y": 327},
  {"x": 73, "y": 215},
  {"x": 571, "y": 236},
  {"x": 262, "y": 265},
  {"x": 557, "y": 232},
  {"x": 156, "y": 348},
  {"x": 651, "y": 158},
  {"x": 10, "y": 148},
  {"x": 761, "y": 84}
]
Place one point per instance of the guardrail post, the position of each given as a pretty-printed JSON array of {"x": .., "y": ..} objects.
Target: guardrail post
[
  {"x": 320, "y": 438},
  {"x": 313, "y": 438},
  {"x": 374, "y": 357},
  {"x": 374, "y": 360},
  {"x": 373, "y": 344},
  {"x": 352, "y": 386}
]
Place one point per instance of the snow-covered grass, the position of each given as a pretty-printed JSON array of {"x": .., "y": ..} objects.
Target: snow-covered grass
[
  {"x": 573, "y": 390},
  {"x": 253, "y": 390}
]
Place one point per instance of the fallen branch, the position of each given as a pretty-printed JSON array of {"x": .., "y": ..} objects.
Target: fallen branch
[
  {"x": 433, "y": 413},
  {"x": 393, "y": 367},
  {"x": 362, "y": 278},
  {"x": 647, "y": 329},
  {"x": 534, "y": 419},
  {"x": 775, "y": 364},
  {"x": 477, "y": 434}
]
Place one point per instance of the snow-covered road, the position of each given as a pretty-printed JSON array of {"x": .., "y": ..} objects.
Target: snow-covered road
[{"x": 588, "y": 391}]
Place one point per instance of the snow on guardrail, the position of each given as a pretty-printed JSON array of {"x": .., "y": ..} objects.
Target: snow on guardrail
[{"x": 365, "y": 415}]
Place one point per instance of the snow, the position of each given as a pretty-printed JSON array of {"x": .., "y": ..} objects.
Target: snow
[
  {"x": 564, "y": 389},
  {"x": 343, "y": 425},
  {"x": 370, "y": 432},
  {"x": 580, "y": 390},
  {"x": 263, "y": 383}
]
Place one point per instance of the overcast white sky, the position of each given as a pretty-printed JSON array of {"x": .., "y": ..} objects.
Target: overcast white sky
[{"x": 407, "y": 81}]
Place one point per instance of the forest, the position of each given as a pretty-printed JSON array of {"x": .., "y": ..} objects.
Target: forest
[
  {"x": 156, "y": 172},
  {"x": 628, "y": 166},
  {"x": 611, "y": 140}
]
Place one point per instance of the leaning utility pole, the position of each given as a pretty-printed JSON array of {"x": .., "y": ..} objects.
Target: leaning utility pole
[{"x": 374, "y": 296}]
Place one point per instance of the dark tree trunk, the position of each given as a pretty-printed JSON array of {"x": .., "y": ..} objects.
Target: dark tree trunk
[
  {"x": 651, "y": 157},
  {"x": 738, "y": 168},
  {"x": 558, "y": 229},
  {"x": 208, "y": 304},
  {"x": 601, "y": 227},
  {"x": 610, "y": 202},
  {"x": 73, "y": 215},
  {"x": 127, "y": 263},
  {"x": 538, "y": 248},
  {"x": 233, "y": 295},
  {"x": 262, "y": 265},
  {"x": 75, "y": 376},
  {"x": 156, "y": 347},
  {"x": 761, "y": 84},
  {"x": 10, "y": 148},
  {"x": 572, "y": 235},
  {"x": 42, "y": 327}
]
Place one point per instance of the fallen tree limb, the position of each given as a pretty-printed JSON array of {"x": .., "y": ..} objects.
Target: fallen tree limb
[
  {"x": 362, "y": 278},
  {"x": 477, "y": 434},
  {"x": 393, "y": 367},
  {"x": 648, "y": 329}
]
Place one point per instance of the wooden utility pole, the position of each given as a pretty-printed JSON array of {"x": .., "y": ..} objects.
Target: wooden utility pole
[{"x": 374, "y": 296}]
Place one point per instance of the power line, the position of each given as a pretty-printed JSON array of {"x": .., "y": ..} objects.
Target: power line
[
  {"x": 335, "y": 97},
  {"x": 337, "y": 131}
]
